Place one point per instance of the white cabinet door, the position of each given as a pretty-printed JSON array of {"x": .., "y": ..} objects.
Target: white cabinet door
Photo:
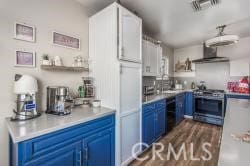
[
  {"x": 152, "y": 55},
  {"x": 130, "y": 88},
  {"x": 130, "y": 136},
  {"x": 152, "y": 58},
  {"x": 145, "y": 57},
  {"x": 130, "y": 36},
  {"x": 130, "y": 108}
]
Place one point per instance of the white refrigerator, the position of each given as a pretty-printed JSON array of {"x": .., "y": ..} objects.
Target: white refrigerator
[{"x": 115, "y": 41}]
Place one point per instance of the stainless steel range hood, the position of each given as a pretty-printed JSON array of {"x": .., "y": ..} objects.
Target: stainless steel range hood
[{"x": 210, "y": 56}]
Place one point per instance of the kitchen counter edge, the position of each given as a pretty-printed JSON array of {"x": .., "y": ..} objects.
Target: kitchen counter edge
[
  {"x": 76, "y": 117},
  {"x": 161, "y": 96}
]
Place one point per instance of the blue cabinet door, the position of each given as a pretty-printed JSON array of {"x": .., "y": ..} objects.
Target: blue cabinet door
[
  {"x": 178, "y": 113},
  {"x": 183, "y": 105},
  {"x": 68, "y": 156},
  {"x": 148, "y": 136},
  {"x": 160, "y": 122},
  {"x": 180, "y": 103},
  {"x": 189, "y": 104},
  {"x": 99, "y": 149}
]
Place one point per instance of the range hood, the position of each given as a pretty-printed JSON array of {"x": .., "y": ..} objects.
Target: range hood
[{"x": 210, "y": 56}]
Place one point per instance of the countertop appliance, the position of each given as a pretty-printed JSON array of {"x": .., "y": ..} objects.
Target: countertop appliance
[
  {"x": 202, "y": 86},
  {"x": 88, "y": 86},
  {"x": 25, "y": 87},
  {"x": 148, "y": 90},
  {"x": 171, "y": 114},
  {"x": 59, "y": 101},
  {"x": 209, "y": 106}
]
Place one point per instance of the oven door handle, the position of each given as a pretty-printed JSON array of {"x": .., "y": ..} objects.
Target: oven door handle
[{"x": 209, "y": 98}]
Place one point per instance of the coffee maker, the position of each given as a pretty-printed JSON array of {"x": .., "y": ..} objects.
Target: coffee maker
[
  {"x": 59, "y": 101},
  {"x": 89, "y": 87},
  {"x": 25, "y": 88}
]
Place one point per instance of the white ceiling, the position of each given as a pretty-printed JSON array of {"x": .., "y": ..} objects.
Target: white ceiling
[{"x": 176, "y": 24}]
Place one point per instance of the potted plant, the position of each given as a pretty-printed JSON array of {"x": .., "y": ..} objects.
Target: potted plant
[{"x": 45, "y": 59}]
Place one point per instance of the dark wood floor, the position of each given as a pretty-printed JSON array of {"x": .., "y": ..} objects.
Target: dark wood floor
[{"x": 188, "y": 132}]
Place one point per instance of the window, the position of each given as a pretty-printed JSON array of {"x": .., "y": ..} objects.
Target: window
[
  {"x": 164, "y": 68},
  {"x": 165, "y": 65}
]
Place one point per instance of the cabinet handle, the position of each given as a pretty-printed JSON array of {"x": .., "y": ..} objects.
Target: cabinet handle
[
  {"x": 120, "y": 68},
  {"x": 122, "y": 52},
  {"x": 80, "y": 158},
  {"x": 86, "y": 154},
  {"x": 156, "y": 118}
]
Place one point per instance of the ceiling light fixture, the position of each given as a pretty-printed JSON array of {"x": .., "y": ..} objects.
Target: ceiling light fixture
[{"x": 222, "y": 39}]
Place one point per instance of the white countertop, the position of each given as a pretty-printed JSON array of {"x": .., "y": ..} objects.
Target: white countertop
[
  {"x": 237, "y": 121},
  {"x": 47, "y": 123}
]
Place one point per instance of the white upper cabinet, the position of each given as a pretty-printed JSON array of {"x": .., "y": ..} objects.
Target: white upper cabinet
[
  {"x": 130, "y": 36},
  {"x": 240, "y": 67},
  {"x": 152, "y": 55}
]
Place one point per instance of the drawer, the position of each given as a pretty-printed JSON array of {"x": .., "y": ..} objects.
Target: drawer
[
  {"x": 148, "y": 107},
  {"x": 52, "y": 141},
  {"x": 160, "y": 104}
]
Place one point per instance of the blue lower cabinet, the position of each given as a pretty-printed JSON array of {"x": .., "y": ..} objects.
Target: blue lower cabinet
[
  {"x": 189, "y": 104},
  {"x": 153, "y": 121},
  {"x": 91, "y": 143},
  {"x": 149, "y": 128},
  {"x": 98, "y": 149},
  {"x": 160, "y": 122}
]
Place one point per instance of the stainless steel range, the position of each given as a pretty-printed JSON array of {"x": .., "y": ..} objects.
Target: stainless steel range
[{"x": 209, "y": 106}]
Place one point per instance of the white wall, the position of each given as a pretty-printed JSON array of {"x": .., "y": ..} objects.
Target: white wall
[{"x": 47, "y": 15}]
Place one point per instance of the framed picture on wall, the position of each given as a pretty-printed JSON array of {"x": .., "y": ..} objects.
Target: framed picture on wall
[
  {"x": 65, "y": 40},
  {"x": 25, "y": 59},
  {"x": 24, "y": 32}
]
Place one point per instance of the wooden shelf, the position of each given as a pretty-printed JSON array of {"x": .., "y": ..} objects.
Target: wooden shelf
[{"x": 64, "y": 68}]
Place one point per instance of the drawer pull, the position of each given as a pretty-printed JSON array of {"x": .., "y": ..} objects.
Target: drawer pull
[
  {"x": 86, "y": 154},
  {"x": 80, "y": 158}
]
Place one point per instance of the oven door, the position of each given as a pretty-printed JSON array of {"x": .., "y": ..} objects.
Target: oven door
[{"x": 211, "y": 107}]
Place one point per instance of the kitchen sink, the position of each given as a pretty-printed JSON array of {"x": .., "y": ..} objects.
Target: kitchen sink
[{"x": 171, "y": 91}]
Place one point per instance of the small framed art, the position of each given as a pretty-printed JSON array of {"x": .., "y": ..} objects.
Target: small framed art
[
  {"x": 64, "y": 40},
  {"x": 25, "y": 59},
  {"x": 24, "y": 32}
]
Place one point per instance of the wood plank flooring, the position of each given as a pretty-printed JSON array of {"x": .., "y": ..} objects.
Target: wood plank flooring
[{"x": 188, "y": 132}]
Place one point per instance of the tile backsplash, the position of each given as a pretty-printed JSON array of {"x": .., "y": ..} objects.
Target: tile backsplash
[
  {"x": 149, "y": 81},
  {"x": 216, "y": 76}
]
